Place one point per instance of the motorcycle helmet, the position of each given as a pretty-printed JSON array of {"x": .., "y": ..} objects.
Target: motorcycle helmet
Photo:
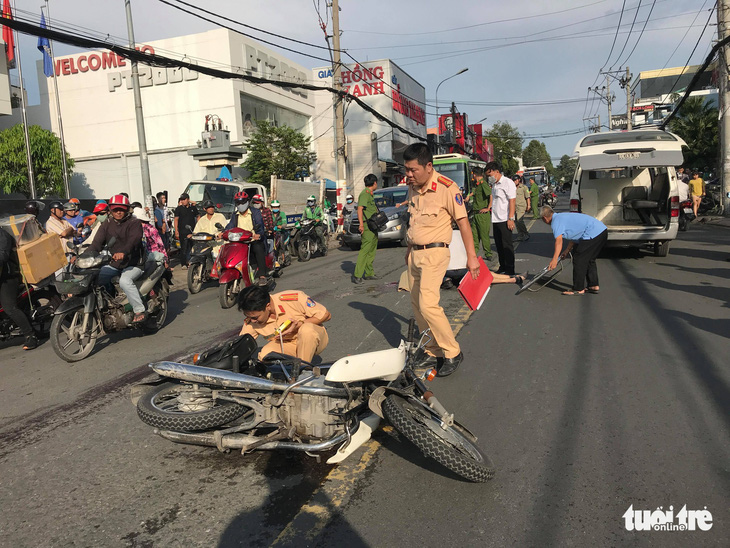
[
  {"x": 75, "y": 201},
  {"x": 55, "y": 205},
  {"x": 349, "y": 198},
  {"x": 257, "y": 198},
  {"x": 101, "y": 207},
  {"x": 240, "y": 197},
  {"x": 311, "y": 200},
  {"x": 70, "y": 206},
  {"x": 208, "y": 203},
  {"x": 275, "y": 203},
  {"x": 31, "y": 208},
  {"x": 119, "y": 200}
]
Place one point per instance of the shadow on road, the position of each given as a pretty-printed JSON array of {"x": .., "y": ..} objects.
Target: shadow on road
[{"x": 387, "y": 322}]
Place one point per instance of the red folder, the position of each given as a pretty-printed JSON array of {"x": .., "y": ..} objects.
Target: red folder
[{"x": 474, "y": 291}]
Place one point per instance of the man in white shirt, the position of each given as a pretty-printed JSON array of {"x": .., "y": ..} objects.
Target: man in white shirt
[
  {"x": 56, "y": 223},
  {"x": 683, "y": 189},
  {"x": 504, "y": 193}
]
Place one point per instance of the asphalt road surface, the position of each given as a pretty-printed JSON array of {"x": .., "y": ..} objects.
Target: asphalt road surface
[{"x": 587, "y": 406}]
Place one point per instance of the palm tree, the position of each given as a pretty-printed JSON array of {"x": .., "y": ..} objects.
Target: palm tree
[{"x": 696, "y": 123}]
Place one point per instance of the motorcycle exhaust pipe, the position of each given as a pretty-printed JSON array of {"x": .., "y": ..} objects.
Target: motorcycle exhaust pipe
[
  {"x": 242, "y": 441},
  {"x": 228, "y": 379}
]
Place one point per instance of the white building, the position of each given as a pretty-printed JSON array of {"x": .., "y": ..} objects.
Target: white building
[
  {"x": 98, "y": 115},
  {"x": 372, "y": 146}
]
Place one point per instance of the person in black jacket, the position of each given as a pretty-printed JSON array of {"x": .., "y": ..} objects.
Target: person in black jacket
[
  {"x": 247, "y": 218},
  {"x": 127, "y": 252},
  {"x": 9, "y": 286}
]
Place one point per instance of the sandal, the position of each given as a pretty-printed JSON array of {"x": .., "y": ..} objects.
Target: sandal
[
  {"x": 573, "y": 293},
  {"x": 593, "y": 290},
  {"x": 139, "y": 318},
  {"x": 519, "y": 280}
]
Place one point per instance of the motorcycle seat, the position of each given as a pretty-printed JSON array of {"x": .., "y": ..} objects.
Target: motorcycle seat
[{"x": 274, "y": 356}]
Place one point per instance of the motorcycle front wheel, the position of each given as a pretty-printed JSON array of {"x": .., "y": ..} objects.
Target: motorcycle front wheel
[
  {"x": 183, "y": 408},
  {"x": 453, "y": 446},
  {"x": 305, "y": 250},
  {"x": 67, "y": 340},
  {"x": 195, "y": 278},
  {"x": 226, "y": 296}
]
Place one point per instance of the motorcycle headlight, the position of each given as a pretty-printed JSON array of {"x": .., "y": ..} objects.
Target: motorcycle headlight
[
  {"x": 88, "y": 262},
  {"x": 393, "y": 216},
  {"x": 234, "y": 237}
]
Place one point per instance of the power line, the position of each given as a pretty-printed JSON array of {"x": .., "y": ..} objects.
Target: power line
[
  {"x": 482, "y": 24},
  {"x": 685, "y": 35},
  {"x": 620, "y": 18},
  {"x": 640, "y": 35},
  {"x": 628, "y": 36},
  {"x": 687, "y": 64}
]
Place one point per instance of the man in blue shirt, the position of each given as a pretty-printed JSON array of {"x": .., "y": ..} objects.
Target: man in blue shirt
[{"x": 586, "y": 237}]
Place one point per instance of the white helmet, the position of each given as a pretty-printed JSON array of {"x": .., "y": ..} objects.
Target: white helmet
[{"x": 349, "y": 197}]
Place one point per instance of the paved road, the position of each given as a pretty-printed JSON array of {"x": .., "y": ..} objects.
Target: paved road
[{"x": 587, "y": 405}]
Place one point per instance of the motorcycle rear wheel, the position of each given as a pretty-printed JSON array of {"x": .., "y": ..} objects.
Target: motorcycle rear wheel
[
  {"x": 155, "y": 322},
  {"x": 305, "y": 251},
  {"x": 226, "y": 296},
  {"x": 195, "y": 278},
  {"x": 66, "y": 340},
  {"x": 160, "y": 407},
  {"x": 452, "y": 447}
]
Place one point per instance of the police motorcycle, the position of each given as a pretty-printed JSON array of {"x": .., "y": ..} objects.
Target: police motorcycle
[
  {"x": 91, "y": 311},
  {"x": 231, "y": 400}
]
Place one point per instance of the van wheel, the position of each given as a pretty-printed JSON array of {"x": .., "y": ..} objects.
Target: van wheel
[{"x": 661, "y": 249}]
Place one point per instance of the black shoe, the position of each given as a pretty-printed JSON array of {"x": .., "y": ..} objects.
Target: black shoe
[
  {"x": 31, "y": 342},
  {"x": 428, "y": 361},
  {"x": 373, "y": 277},
  {"x": 520, "y": 280},
  {"x": 448, "y": 283},
  {"x": 450, "y": 365},
  {"x": 356, "y": 280},
  {"x": 501, "y": 271}
]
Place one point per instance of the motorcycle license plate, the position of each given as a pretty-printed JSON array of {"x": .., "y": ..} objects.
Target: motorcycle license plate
[{"x": 688, "y": 211}]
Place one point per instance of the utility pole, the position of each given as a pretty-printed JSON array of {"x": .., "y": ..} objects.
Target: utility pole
[
  {"x": 143, "y": 162},
  {"x": 626, "y": 84},
  {"x": 340, "y": 157},
  {"x": 723, "y": 10},
  {"x": 28, "y": 157},
  {"x": 609, "y": 101}
]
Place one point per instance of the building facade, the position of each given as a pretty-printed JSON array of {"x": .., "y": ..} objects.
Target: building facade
[
  {"x": 372, "y": 146},
  {"x": 98, "y": 114}
]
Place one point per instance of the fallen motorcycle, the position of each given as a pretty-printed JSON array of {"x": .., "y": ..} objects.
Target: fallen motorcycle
[
  {"x": 231, "y": 400},
  {"x": 38, "y": 302}
]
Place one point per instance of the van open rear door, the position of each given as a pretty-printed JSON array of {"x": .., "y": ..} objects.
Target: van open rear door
[{"x": 640, "y": 148}]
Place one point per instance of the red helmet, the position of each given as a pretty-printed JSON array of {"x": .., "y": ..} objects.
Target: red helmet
[
  {"x": 98, "y": 208},
  {"x": 240, "y": 197},
  {"x": 257, "y": 198},
  {"x": 119, "y": 200}
]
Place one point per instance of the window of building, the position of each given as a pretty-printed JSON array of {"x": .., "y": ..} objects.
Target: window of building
[{"x": 254, "y": 109}]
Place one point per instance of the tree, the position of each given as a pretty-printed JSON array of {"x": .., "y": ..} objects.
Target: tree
[
  {"x": 45, "y": 152},
  {"x": 280, "y": 151},
  {"x": 696, "y": 123},
  {"x": 566, "y": 169},
  {"x": 536, "y": 154},
  {"x": 507, "y": 143}
]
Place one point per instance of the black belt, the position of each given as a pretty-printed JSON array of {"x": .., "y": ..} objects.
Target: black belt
[{"x": 429, "y": 246}]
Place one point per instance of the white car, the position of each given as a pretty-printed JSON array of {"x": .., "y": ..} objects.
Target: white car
[{"x": 627, "y": 181}]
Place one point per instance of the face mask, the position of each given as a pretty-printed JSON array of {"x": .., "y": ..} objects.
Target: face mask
[
  {"x": 257, "y": 206},
  {"x": 275, "y": 210},
  {"x": 242, "y": 208},
  {"x": 101, "y": 218},
  {"x": 491, "y": 180},
  {"x": 310, "y": 204},
  {"x": 349, "y": 201}
]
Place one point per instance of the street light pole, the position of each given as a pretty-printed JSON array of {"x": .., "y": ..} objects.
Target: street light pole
[{"x": 462, "y": 71}]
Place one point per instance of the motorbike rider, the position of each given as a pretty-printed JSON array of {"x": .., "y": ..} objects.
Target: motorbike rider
[
  {"x": 32, "y": 207},
  {"x": 305, "y": 338},
  {"x": 349, "y": 206},
  {"x": 279, "y": 216},
  {"x": 314, "y": 212},
  {"x": 10, "y": 280},
  {"x": 71, "y": 215},
  {"x": 207, "y": 224},
  {"x": 250, "y": 219},
  {"x": 258, "y": 202},
  {"x": 128, "y": 255},
  {"x": 58, "y": 225},
  {"x": 154, "y": 245}
]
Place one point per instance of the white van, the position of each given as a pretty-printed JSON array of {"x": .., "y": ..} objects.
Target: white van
[
  {"x": 627, "y": 181},
  {"x": 221, "y": 193}
]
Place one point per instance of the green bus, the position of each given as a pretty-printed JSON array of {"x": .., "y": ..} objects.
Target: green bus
[{"x": 461, "y": 169}]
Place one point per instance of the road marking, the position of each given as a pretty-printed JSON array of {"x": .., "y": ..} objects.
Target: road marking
[{"x": 335, "y": 491}]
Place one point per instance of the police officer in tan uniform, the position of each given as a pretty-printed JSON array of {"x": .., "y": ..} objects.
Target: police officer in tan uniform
[
  {"x": 304, "y": 338},
  {"x": 434, "y": 202}
]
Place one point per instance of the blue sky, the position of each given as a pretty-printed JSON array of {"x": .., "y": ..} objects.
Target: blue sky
[{"x": 516, "y": 52}]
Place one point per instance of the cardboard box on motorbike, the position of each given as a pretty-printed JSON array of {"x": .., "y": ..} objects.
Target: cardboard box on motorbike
[{"x": 41, "y": 257}]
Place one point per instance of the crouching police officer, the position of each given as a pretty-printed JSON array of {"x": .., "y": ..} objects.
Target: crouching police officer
[
  {"x": 304, "y": 338},
  {"x": 434, "y": 201}
]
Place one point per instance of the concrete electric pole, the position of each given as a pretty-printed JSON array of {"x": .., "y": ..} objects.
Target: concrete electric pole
[
  {"x": 143, "y": 162},
  {"x": 625, "y": 83},
  {"x": 723, "y": 7},
  {"x": 339, "y": 103},
  {"x": 609, "y": 100}
]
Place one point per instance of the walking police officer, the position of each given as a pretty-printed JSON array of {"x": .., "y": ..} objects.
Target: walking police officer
[
  {"x": 434, "y": 202},
  {"x": 366, "y": 208}
]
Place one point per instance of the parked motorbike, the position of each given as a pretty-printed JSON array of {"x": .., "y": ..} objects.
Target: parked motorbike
[
  {"x": 283, "y": 250},
  {"x": 711, "y": 203},
  {"x": 308, "y": 243},
  {"x": 231, "y": 400},
  {"x": 201, "y": 262},
  {"x": 92, "y": 311},
  {"x": 233, "y": 268},
  {"x": 686, "y": 215},
  {"x": 38, "y": 302}
]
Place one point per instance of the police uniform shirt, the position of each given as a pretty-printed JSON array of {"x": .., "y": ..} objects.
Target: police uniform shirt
[
  {"x": 432, "y": 209},
  {"x": 288, "y": 305}
]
